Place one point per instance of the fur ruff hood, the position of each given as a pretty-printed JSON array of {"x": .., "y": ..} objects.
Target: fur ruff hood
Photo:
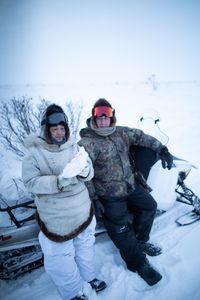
[{"x": 39, "y": 141}]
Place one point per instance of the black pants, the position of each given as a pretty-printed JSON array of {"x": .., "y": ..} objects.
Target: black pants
[
  {"x": 143, "y": 207},
  {"x": 128, "y": 220}
]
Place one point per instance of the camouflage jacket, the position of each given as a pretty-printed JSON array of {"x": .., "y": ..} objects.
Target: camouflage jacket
[{"x": 113, "y": 173}]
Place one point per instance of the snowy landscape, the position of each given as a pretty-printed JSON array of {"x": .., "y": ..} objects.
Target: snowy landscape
[
  {"x": 143, "y": 57},
  {"x": 178, "y": 108}
]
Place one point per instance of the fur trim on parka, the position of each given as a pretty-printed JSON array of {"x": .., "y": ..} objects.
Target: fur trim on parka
[{"x": 62, "y": 238}]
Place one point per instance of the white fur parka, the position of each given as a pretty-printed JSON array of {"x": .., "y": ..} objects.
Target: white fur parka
[{"x": 61, "y": 214}]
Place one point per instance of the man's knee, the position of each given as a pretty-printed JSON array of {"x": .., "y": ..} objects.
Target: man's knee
[
  {"x": 124, "y": 240},
  {"x": 116, "y": 227}
]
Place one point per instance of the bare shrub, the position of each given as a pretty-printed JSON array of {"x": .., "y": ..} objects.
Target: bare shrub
[{"x": 20, "y": 117}]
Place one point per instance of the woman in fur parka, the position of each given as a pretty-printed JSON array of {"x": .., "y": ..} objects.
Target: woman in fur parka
[{"x": 54, "y": 170}]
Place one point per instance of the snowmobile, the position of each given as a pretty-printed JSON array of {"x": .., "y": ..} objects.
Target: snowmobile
[{"x": 20, "y": 251}]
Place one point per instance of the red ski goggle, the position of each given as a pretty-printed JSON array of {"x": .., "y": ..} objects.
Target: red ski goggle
[{"x": 100, "y": 111}]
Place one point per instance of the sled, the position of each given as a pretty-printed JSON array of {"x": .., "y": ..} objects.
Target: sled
[{"x": 20, "y": 251}]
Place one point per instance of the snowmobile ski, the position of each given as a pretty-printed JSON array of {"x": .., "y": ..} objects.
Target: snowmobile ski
[{"x": 188, "y": 218}]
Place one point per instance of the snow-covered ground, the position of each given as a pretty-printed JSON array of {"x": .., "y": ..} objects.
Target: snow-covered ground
[{"x": 178, "y": 107}]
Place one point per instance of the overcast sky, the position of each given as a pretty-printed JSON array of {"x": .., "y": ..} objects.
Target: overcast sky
[{"x": 91, "y": 41}]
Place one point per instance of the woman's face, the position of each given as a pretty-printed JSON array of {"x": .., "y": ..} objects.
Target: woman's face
[
  {"x": 103, "y": 122},
  {"x": 57, "y": 132}
]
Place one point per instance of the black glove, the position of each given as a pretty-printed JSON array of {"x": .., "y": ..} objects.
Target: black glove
[
  {"x": 166, "y": 158},
  {"x": 99, "y": 210}
]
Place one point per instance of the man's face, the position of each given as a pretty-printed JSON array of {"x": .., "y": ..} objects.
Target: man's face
[{"x": 103, "y": 122}]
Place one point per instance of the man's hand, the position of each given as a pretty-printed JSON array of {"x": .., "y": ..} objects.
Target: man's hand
[{"x": 166, "y": 158}]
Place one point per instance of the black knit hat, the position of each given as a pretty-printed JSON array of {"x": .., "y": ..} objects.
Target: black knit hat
[{"x": 53, "y": 116}]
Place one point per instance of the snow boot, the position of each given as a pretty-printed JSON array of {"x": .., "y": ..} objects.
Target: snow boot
[
  {"x": 147, "y": 272},
  {"x": 80, "y": 296},
  {"x": 149, "y": 248},
  {"x": 98, "y": 285}
]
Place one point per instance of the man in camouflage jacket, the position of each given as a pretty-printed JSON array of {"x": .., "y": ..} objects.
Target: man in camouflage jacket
[{"x": 114, "y": 190}]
